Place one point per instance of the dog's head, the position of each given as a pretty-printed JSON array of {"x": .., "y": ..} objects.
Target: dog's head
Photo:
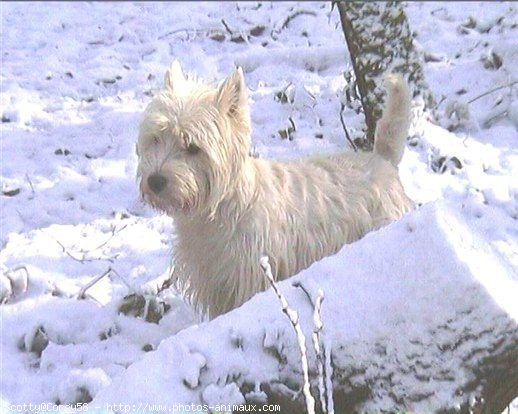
[{"x": 192, "y": 142}]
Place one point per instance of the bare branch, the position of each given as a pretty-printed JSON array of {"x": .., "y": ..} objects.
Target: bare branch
[
  {"x": 81, "y": 294},
  {"x": 355, "y": 148},
  {"x": 492, "y": 90},
  {"x": 317, "y": 327},
  {"x": 294, "y": 15},
  {"x": 293, "y": 316},
  {"x": 224, "y": 23}
]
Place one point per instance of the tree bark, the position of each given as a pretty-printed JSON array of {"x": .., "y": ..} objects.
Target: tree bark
[
  {"x": 491, "y": 382},
  {"x": 379, "y": 40}
]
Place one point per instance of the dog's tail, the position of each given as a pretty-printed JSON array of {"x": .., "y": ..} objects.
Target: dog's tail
[{"x": 392, "y": 128}]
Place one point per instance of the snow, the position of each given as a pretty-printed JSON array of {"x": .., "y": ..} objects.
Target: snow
[
  {"x": 75, "y": 78},
  {"x": 402, "y": 289}
]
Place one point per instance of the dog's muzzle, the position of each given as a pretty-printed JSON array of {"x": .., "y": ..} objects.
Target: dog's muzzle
[{"x": 156, "y": 183}]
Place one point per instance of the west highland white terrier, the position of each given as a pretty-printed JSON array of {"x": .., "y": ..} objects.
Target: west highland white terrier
[{"x": 230, "y": 209}]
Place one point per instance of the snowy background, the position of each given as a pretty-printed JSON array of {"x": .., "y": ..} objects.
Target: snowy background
[{"x": 75, "y": 78}]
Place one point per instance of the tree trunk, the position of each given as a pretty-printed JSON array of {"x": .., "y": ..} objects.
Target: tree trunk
[
  {"x": 379, "y": 40},
  {"x": 492, "y": 382}
]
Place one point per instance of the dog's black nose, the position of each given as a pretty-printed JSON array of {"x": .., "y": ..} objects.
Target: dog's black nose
[{"x": 157, "y": 182}]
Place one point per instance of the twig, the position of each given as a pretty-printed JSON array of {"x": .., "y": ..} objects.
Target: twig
[
  {"x": 301, "y": 286},
  {"x": 114, "y": 231},
  {"x": 292, "y": 123},
  {"x": 342, "y": 106},
  {"x": 288, "y": 20},
  {"x": 330, "y": 12},
  {"x": 328, "y": 369},
  {"x": 487, "y": 123},
  {"x": 81, "y": 294},
  {"x": 230, "y": 32},
  {"x": 65, "y": 250},
  {"x": 287, "y": 86},
  {"x": 493, "y": 90},
  {"x": 293, "y": 316},
  {"x": 187, "y": 31},
  {"x": 317, "y": 327},
  {"x": 313, "y": 97},
  {"x": 474, "y": 47},
  {"x": 85, "y": 259},
  {"x": 296, "y": 14},
  {"x": 325, "y": 370},
  {"x": 128, "y": 285},
  {"x": 440, "y": 102},
  {"x": 30, "y": 183}
]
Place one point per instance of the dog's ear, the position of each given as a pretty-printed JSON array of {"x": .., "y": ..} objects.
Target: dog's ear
[
  {"x": 174, "y": 76},
  {"x": 232, "y": 96}
]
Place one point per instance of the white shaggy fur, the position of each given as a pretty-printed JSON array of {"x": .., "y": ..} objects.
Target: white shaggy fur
[{"x": 230, "y": 209}]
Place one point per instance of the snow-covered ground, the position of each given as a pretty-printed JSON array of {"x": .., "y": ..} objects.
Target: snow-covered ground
[{"x": 75, "y": 78}]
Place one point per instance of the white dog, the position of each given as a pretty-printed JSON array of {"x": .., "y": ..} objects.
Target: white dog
[{"x": 230, "y": 209}]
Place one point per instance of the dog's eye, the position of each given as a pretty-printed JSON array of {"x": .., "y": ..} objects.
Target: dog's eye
[
  {"x": 155, "y": 140},
  {"x": 193, "y": 149}
]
